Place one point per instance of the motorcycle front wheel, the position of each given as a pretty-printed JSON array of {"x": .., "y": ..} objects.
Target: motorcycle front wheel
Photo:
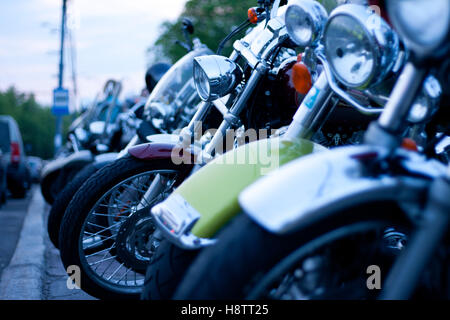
[
  {"x": 326, "y": 260},
  {"x": 60, "y": 204},
  {"x": 107, "y": 230},
  {"x": 165, "y": 270}
]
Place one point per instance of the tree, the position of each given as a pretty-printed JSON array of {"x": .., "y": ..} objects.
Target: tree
[
  {"x": 213, "y": 20},
  {"x": 36, "y": 123}
]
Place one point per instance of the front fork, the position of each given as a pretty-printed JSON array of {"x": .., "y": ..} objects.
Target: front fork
[
  {"x": 408, "y": 269},
  {"x": 157, "y": 186}
]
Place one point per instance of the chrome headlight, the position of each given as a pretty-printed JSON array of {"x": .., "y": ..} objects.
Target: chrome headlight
[
  {"x": 215, "y": 76},
  {"x": 423, "y": 24},
  {"x": 305, "y": 21},
  {"x": 360, "y": 46}
]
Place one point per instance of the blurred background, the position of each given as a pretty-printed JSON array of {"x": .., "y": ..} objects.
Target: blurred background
[{"x": 103, "y": 39}]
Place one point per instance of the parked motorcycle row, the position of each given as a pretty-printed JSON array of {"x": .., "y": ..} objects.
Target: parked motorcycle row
[{"x": 313, "y": 156}]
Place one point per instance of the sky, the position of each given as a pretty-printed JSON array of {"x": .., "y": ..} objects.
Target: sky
[{"x": 111, "y": 38}]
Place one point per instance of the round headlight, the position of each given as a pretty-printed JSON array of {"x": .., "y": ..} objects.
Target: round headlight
[
  {"x": 360, "y": 46},
  {"x": 423, "y": 24},
  {"x": 215, "y": 76},
  {"x": 305, "y": 21},
  {"x": 201, "y": 83}
]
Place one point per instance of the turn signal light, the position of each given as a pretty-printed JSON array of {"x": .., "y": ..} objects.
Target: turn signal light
[
  {"x": 301, "y": 78},
  {"x": 409, "y": 144},
  {"x": 252, "y": 15}
]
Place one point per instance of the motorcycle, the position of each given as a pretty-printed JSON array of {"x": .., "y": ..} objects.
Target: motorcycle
[
  {"x": 87, "y": 132},
  {"x": 125, "y": 190},
  {"x": 378, "y": 206},
  {"x": 132, "y": 130},
  {"x": 170, "y": 104},
  {"x": 125, "y": 130},
  {"x": 191, "y": 217}
]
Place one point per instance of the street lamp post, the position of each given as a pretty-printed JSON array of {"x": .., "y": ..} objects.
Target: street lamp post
[{"x": 58, "y": 131}]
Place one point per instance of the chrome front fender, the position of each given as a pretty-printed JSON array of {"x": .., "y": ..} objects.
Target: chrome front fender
[
  {"x": 323, "y": 184},
  {"x": 60, "y": 163},
  {"x": 106, "y": 157}
]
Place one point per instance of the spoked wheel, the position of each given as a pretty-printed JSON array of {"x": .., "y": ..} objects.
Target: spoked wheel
[
  {"x": 334, "y": 265},
  {"x": 108, "y": 230},
  {"x": 327, "y": 259},
  {"x": 116, "y": 242}
]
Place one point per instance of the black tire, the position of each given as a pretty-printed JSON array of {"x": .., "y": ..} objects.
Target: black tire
[
  {"x": 62, "y": 201},
  {"x": 165, "y": 271},
  {"x": 46, "y": 189},
  {"x": 78, "y": 209},
  {"x": 18, "y": 189},
  {"x": 245, "y": 252},
  {"x": 52, "y": 184}
]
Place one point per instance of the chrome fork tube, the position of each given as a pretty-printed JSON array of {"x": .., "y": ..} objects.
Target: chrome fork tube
[
  {"x": 236, "y": 109},
  {"x": 313, "y": 110},
  {"x": 130, "y": 144},
  {"x": 401, "y": 99},
  {"x": 153, "y": 190},
  {"x": 407, "y": 271},
  {"x": 204, "y": 107},
  {"x": 74, "y": 141},
  {"x": 199, "y": 115}
]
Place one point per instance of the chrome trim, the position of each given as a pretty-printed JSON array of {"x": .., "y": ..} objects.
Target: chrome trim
[
  {"x": 106, "y": 157},
  {"x": 384, "y": 42},
  {"x": 313, "y": 13},
  {"x": 175, "y": 218},
  {"x": 306, "y": 118},
  {"x": 422, "y": 51},
  {"x": 341, "y": 93},
  {"x": 236, "y": 109},
  {"x": 220, "y": 104},
  {"x": 401, "y": 98},
  {"x": 222, "y": 73},
  {"x": 130, "y": 144},
  {"x": 74, "y": 142},
  {"x": 163, "y": 138},
  {"x": 260, "y": 42},
  {"x": 427, "y": 102}
]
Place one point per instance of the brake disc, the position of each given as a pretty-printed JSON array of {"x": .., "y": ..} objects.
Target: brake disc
[{"x": 134, "y": 240}]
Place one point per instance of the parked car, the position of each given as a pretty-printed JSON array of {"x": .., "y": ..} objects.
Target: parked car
[
  {"x": 3, "y": 186},
  {"x": 35, "y": 164},
  {"x": 14, "y": 158}
]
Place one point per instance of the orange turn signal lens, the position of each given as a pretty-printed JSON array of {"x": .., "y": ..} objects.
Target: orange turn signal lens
[
  {"x": 252, "y": 15},
  {"x": 409, "y": 144},
  {"x": 301, "y": 78}
]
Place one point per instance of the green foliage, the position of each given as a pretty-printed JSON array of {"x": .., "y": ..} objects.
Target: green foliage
[
  {"x": 213, "y": 20},
  {"x": 36, "y": 123}
]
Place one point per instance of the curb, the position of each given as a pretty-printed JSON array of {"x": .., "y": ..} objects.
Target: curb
[{"x": 22, "y": 279}]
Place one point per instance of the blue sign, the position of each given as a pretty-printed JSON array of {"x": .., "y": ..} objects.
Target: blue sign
[{"x": 60, "y": 102}]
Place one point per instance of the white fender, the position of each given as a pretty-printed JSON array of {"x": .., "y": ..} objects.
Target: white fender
[{"x": 321, "y": 184}]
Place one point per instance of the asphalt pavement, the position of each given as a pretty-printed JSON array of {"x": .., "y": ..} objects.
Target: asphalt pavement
[
  {"x": 12, "y": 215},
  {"x": 30, "y": 266}
]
